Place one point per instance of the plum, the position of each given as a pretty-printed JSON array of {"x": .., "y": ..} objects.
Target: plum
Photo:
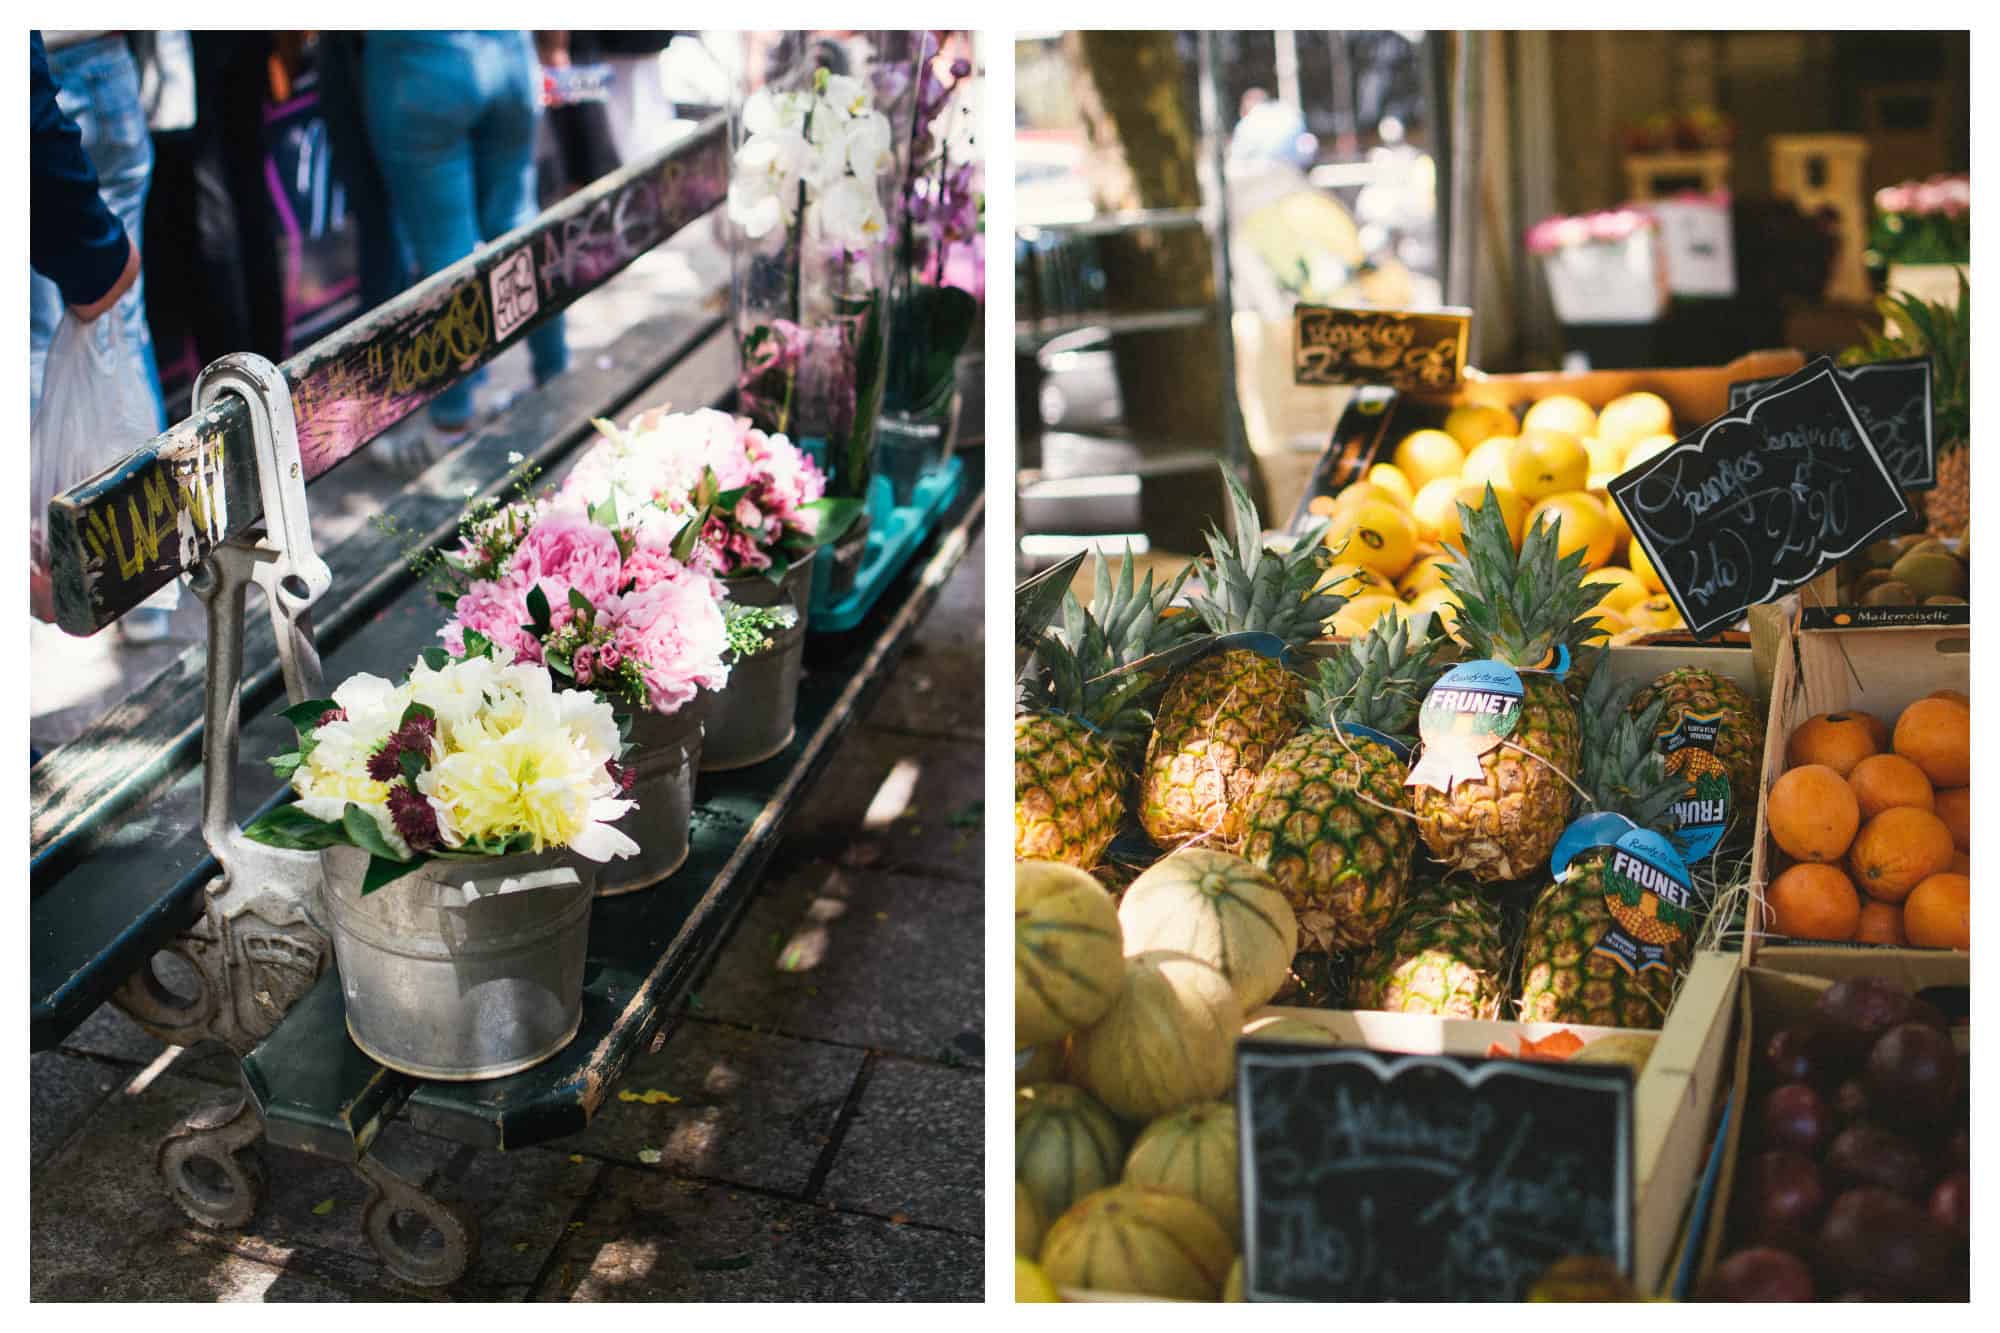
[
  {"x": 1867, "y": 1154},
  {"x": 1759, "y": 1274},
  {"x": 1850, "y": 1101},
  {"x": 1854, "y": 1012},
  {"x": 1787, "y": 1195},
  {"x": 1875, "y": 1238},
  {"x": 1798, "y": 1118},
  {"x": 1912, "y": 1074},
  {"x": 1789, "y": 1054},
  {"x": 1951, "y": 1203}
]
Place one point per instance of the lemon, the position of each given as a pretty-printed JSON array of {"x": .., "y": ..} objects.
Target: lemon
[
  {"x": 1609, "y": 625},
  {"x": 1621, "y": 530},
  {"x": 1375, "y": 533},
  {"x": 1351, "y": 578},
  {"x": 1580, "y": 525},
  {"x": 1390, "y": 478},
  {"x": 1643, "y": 568},
  {"x": 1359, "y": 493},
  {"x": 1436, "y": 602},
  {"x": 1472, "y": 424},
  {"x": 1031, "y": 1284},
  {"x": 1488, "y": 462},
  {"x": 1426, "y": 455},
  {"x": 1513, "y": 510},
  {"x": 1634, "y": 416},
  {"x": 1562, "y": 412},
  {"x": 1651, "y": 446},
  {"x": 1436, "y": 510},
  {"x": 1656, "y": 613},
  {"x": 1542, "y": 463},
  {"x": 1425, "y": 572},
  {"x": 1359, "y": 616},
  {"x": 1622, "y": 588},
  {"x": 1607, "y": 460}
]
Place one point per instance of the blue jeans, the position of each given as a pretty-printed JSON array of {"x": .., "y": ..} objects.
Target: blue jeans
[
  {"x": 98, "y": 87},
  {"x": 452, "y": 119}
]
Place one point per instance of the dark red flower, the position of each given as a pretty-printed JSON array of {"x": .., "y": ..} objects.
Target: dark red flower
[
  {"x": 385, "y": 765},
  {"x": 331, "y": 715},
  {"x": 413, "y": 816}
]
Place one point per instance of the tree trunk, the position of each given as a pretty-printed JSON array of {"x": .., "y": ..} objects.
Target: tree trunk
[{"x": 1144, "y": 140}]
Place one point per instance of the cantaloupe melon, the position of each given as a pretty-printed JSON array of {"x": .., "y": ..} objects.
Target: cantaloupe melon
[
  {"x": 1028, "y": 1224},
  {"x": 1065, "y": 1145},
  {"x": 1139, "y": 1241},
  {"x": 1192, "y": 1151},
  {"x": 1169, "y": 1038},
  {"x": 1286, "y": 1028},
  {"x": 1068, "y": 951},
  {"x": 1218, "y": 908}
]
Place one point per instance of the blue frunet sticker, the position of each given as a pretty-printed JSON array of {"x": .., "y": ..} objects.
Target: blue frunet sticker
[
  {"x": 1600, "y": 828},
  {"x": 1470, "y": 711},
  {"x": 1690, "y": 754},
  {"x": 1651, "y": 901}
]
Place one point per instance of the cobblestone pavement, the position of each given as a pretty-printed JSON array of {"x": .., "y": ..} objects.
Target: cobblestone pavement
[{"x": 827, "y": 1137}]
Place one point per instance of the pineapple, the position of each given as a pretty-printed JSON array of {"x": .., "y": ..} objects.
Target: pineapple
[
  {"x": 1074, "y": 738},
  {"x": 1562, "y": 980},
  {"x": 1739, "y": 741},
  {"x": 1444, "y": 954},
  {"x": 1943, "y": 332},
  {"x": 1517, "y": 610},
  {"x": 1328, "y": 817},
  {"x": 1222, "y": 718}
]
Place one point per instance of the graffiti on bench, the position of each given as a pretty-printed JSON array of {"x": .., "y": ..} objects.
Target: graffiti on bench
[{"x": 128, "y": 531}]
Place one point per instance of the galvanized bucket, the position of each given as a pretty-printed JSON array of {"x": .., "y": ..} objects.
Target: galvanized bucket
[
  {"x": 666, "y": 749},
  {"x": 461, "y": 970},
  {"x": 750, "y": 719}
]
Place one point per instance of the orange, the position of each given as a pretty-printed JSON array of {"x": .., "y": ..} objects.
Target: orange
[
  {"x": 1896, "y": 850},
  {"x": 1487, "y": 462},
  {"x": 1812, "y": 813},
  {"x": 1360, "y": 493},
  {"x": 1837, "y": 740},
  {"x": 1390, "y": 478},
  {"x": 1425, "y": 572},
  {"x": 1425, "y": 455},
  {"x": 1472, "y": 424},
  {"x": 1607, "y": 460},
  {"x": 1959, "y": 697},
  {"x": 1884, "y": 738},
  {"x": 1813, "y": 902},
  {"x": 1632, "y": 417},
  {"x": 1961, "y": 864},
  {"x": 1937, "y": 733},
  {"x": 1561, "y": 412},
  {"x": 1435, "y": 510},
  {"x": 1884, "y": 780},
  {"x": 1954, "y": 807},
  {"x": 1547, "y": 462},
  {"x": 1376, "y": 533},
  {"x": 1881, "y": 923},
  {"x": 1581, "y": 526},
  {"x": 1938, "y": 913}
]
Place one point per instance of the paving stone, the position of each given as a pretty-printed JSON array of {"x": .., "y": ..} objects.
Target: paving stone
[
  {"x": 753, "y": 1108},
  {"x": 648, "y": 1236},
  {"x": 896, "y": 802},
  {"x": 916, "y": 1148},
  {"x": 858, "y": 957},
  {"x": 67, "y": 1088},
  {"x": 938, "y": 690},
  {"x": 107, "y": 1032}
]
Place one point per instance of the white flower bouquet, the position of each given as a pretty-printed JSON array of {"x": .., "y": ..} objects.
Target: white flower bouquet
[{"x": 474, "y": 756}]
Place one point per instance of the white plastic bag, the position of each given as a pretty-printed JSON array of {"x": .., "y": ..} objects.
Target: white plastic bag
[{"x": 96, "y": 407}]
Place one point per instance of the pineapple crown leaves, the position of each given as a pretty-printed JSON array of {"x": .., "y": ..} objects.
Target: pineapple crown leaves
[
  {"x": 1377, "y": 681},
  {"x": 1944, "y": 333},
  {"x": 1251, "y": 588},
  {"x": 1123, "y": 623},
  {"x": 1623, "y": 771},
  {"x": 1517, "y": 608}
]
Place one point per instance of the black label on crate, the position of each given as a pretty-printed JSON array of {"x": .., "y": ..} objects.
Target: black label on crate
[
  {"x": 1372, "y": 1176},
  {"x": 1884, "y": 617},
  {"x": 1405, "y": 349},
  {"x": 1893, "y": 400},
  {"x": 1760, "y": 500}
]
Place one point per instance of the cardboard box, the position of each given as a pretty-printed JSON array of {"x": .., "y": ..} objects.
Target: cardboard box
[
  {"x": 1880, "y": 671},
  {"x": 1783, "y": 992}
]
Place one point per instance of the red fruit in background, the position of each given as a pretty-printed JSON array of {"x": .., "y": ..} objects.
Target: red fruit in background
[
  {"x": 1789, "y": 1054},
  {"x": 1951, "y": 1203},
  {"x": 1912, "y": 1074},
  {"x": 1850, "y": 1101},
  {"x": 1759, "y": 1274},
  {"x": 1862, "y": 1008},
  {"x": 1867, "y": 1154},
  {"x": 1797, "y": 1118},
  {"x": 1788, "y": 1195},
  {"x": 1873, "y": 1238}
]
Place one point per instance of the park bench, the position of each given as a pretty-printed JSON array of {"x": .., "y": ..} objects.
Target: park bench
[{"x": 121, "y": 869}]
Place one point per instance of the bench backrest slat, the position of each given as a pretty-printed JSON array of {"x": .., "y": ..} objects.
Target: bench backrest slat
[{"x": 125, "y": 533}]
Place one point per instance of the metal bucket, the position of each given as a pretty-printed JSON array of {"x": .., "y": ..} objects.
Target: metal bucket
[
  {"x": 666, "y": 748},
  {"x": 461, "y": 970},
  {"x": 750, "y": 719}
]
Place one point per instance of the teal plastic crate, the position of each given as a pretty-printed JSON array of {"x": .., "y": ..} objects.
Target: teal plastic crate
[{"x": 894, "y": 534}]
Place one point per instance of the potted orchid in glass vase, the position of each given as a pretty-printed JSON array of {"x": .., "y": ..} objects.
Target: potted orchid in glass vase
[
  {"x": 605, "y": 592},
  {"x": 814, "y": 194},
  {"x": 460, "y": 816},
  {"x": 934, "y": 286},
  {"x": 746, "y": 507}
]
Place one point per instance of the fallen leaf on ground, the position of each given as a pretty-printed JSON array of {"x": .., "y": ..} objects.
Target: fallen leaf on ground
[
  {"x": 651, "y": 1096},
  {"x": 650, "y": 1156},
  {"x": 323, "y": 1207}
]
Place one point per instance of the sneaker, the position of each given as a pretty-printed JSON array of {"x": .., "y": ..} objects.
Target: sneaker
[
  {"x": 409, "y": 449},
  {"x": 146, "y": 624}
]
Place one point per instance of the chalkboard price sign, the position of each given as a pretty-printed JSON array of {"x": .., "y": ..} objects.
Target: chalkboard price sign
[
  {"x": 1372, "y": 1176},
  {"x": 1419, "y": 351},
  {"x": 1893, "y": 400},
  {"x": 1760, "y": 500}
]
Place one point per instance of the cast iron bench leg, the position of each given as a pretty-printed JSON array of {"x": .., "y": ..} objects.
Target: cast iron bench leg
[
  {"x": 401, "y": 1217},
  {"x": 209, "y": 1163}
]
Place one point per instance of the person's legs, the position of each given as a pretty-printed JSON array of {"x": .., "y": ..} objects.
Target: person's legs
[
  {"x": 419, "y": 96},
  {"x": 503, "y": 155},
  {"x": 385, "y": 269}
]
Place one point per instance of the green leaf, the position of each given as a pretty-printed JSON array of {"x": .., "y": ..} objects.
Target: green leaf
[
  {"x": 477, "y": 645},
  {"x": 412, "y": 763},
  {"x": 834, "y": 515},
  {"x": 538, "y": 611},
  {"x": 384, "y": 870},
  {"x": 285, "y": 765},
  {"x": 726, "y": 502},
  {"x": 304, "y": 717},
  {"x": 580, "y": 604},
  {"x": 415, "y": 711},
  {"x": 365, "y": 833},
  {"x": 437, "y": 659},
  {"x": 606, "y": 513},
  {"x": 290, "y": 827},
  {"x": 685, "y": 540}
]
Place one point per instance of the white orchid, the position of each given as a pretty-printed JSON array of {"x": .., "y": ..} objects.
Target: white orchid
[
  {"x": 870, "y": 147},
  {"x": 845, "y": 94},
  {"x": 850, "y": 213}
]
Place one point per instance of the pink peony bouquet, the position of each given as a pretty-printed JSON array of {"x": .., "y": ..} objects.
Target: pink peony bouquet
[
  {"x": 605, "y": 603},
  {"x": 709, "y": 490}
]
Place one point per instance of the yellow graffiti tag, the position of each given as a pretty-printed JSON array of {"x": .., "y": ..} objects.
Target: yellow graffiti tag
[{"x": 462, "y": 330}]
